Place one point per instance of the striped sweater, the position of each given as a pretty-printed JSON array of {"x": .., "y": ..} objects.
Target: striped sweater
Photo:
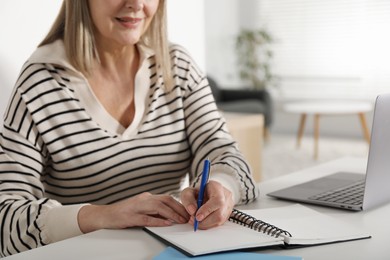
[{"x": 60, "y": 149}]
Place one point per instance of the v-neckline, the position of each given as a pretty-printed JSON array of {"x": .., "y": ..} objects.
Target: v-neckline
[{"x": 99, "y": 114}]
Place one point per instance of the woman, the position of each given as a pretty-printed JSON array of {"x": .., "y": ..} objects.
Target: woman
[{"x": 105, "y": 124}]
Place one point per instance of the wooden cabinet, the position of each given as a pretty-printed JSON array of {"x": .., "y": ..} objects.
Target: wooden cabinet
[{"x": 247, "y": 130}]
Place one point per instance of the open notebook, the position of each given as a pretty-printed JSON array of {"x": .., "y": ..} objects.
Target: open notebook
[{"x": 294, "y": 225}]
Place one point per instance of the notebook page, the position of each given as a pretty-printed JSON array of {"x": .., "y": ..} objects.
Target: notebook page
[
  {"x": 227, "y": 237},
  {"x": 308, "y": 226}
]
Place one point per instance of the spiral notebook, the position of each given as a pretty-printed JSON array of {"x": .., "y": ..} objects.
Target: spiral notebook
[
  {"x": 170, "y": 253},
  {"x": 294, "y": 225}
]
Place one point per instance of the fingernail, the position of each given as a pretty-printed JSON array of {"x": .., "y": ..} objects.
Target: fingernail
[{"x": 200, "y": 217}]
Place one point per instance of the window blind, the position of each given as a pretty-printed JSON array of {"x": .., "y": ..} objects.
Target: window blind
[{"x": 329, "y": 48}]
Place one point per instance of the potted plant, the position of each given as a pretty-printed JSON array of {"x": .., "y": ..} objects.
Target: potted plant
[{"x": 254, "y": 56}]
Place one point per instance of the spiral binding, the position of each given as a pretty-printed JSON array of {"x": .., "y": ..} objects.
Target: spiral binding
[{"x": 246, "y": 220}]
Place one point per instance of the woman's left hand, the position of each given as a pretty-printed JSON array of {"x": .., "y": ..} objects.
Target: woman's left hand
[{"x": 217, "y": 205}]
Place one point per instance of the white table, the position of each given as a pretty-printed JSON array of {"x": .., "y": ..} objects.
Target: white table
[
  {"x": 136, "y": 244},
  {"x": 322, "y": 107}
]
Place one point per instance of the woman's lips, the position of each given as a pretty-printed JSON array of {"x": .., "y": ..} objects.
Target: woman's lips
[{"x": 129, "y": 22}]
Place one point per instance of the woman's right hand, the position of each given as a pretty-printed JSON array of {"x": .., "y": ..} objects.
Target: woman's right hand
[{"x": 141, "y": 210}]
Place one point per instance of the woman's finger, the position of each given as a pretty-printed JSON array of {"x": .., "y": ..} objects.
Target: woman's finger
[
  {"x": 215, "y": 199},
  {"x": 188, "y": 198},
  {"x": 217, "y": 208},
  {"x": 151, "y": 221},
  {"x": 168, "y": 213},
  {"x": 176, "y": 206},
  {"x": 165, "y": 207}
]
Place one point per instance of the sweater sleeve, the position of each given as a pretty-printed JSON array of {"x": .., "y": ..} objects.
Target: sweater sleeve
[
  {"x": 208, "y": 135},
  {"x": 27, "y": 218},
  {"x": 212, "y": 140}
]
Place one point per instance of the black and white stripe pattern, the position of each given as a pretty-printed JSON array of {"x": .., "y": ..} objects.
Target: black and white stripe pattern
[{"x": 53, "y": 153}]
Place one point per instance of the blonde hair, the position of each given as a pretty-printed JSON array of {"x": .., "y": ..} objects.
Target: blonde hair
[{"x": 74, "y": 26}]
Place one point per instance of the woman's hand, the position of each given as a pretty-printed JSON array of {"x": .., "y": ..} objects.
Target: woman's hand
[
  {"x": 142, "y": 210},
  {"x": 216, "y": 209}
]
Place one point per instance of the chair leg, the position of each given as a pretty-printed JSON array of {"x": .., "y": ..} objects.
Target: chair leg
[
  {"x": 316, "y": 134},
  {"x": 366, "y": 131},
  {"x": 301, "y": 129}
]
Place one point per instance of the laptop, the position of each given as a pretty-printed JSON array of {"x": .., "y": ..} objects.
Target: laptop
[{"x": 353, "y": 191}]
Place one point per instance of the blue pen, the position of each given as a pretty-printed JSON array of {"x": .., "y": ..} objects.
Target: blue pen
[{"x": 203, "y": 182}]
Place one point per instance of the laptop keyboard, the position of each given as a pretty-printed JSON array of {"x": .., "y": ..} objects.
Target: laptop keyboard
[{"x": 352, "y": 194}]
